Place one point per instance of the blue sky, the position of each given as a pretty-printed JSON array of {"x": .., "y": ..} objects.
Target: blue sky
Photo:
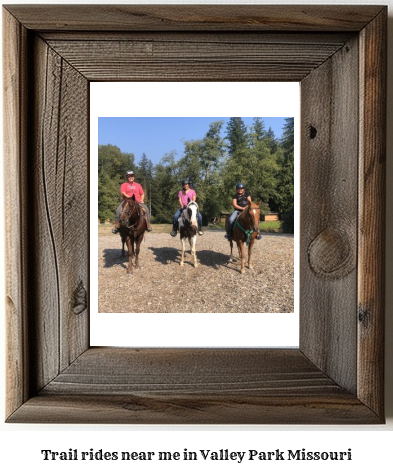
[{"x": 156, "y": 136}]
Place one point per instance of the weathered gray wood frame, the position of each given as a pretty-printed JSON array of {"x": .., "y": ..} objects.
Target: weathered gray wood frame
[{"x": 338, "y": 54}]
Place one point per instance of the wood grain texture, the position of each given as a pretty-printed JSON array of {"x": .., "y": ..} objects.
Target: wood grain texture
[
  {"x": 14, "y": 149},
  {"x": 329, "y": 201},
  {"x": 193, "y": 386},
  {"x": 171, "y": 59},
  {"x": 372, "y": 198},
  {"x": 195, "y": 18},
  {"x": 335, "y": 376},
  {"x": 59, "y": 170}
]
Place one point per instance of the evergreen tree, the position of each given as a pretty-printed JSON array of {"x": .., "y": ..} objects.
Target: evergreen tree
[
  {"x": 166, "y": 187},
  {"x": 236, "y": 134},
  {"x": 285, "y": 187},
  {"x": 145, "y": 177},
  {"x": 258, "y": 131},
  {"x": 112, "y": 166}
]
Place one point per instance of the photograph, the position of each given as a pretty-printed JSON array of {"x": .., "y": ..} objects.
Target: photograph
[{"x": 196, "y": 214}]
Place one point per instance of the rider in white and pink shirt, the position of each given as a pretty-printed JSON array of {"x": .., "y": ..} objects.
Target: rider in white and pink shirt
[{"x": 184, "y": 195}]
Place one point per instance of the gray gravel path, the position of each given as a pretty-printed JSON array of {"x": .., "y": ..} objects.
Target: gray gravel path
[{"x": 161, "y": 285}]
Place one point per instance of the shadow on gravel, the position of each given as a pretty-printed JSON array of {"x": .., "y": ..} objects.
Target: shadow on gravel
[
  {"x": 213, "y": 259},
  {"x": 209, "y": 258},
  {"x": 112, "y": 257},
  {"x": 166, "y": 255}
]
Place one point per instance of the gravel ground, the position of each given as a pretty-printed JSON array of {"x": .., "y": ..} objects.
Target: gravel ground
[{"x": 161, "y": 285}]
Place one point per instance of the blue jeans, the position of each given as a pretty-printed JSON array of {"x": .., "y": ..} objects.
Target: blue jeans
[
  {"x": 231, "y": 220},
  {"x": 177, "y": 215}
]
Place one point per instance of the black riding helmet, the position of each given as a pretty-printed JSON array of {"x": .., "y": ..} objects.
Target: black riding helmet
[
  {"x": 240, "y": 186},
  {"x": 185, "y": 181}
]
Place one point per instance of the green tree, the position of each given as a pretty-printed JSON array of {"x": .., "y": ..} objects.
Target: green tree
[
  {"x": 145, "y": 176},
  {"x": 285, "y": 178},
  {"x": 164, "y": 192},
  {"x": 112, "y": 165},
  {"x": 236, "y": 135}
]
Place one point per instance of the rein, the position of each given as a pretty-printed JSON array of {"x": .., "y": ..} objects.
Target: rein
[
  {"x": 247, "y": 232},
  {"x": 134, "y": 227}
]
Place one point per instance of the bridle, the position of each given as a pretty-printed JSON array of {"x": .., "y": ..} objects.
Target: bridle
[
  {"x": 248, "y": 233},
  {"x": 129, "y": 214}
]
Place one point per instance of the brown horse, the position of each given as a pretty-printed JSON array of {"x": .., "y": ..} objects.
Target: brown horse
[
  {"x": 132, "y": 229},
  {"x": 244, "y": 231}
]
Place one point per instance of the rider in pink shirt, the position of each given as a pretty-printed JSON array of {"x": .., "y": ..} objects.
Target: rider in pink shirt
[
  {"x": 128, "y": 189},
  {"x": 184, "y": 195}
]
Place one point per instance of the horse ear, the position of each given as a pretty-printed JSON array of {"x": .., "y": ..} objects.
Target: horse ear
[
  {"x": 188, "y": 199},
  {"x": 133, "y": 197},
  {"x": 259, "y": 203}
]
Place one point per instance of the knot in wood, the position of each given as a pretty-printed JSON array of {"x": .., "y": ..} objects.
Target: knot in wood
[
  {"x": 330, "y": 254},
  {"x": 80, "y": 299}
]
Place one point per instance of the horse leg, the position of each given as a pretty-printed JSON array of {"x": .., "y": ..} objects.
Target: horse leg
[
  {"x": 240, "y": 246},
  {"x": 250, "y": 252},
  {"x": 123, "y": 253},
  {"x": 130, "y": 255},
  {"x": 183, "y": 250},
  {"x": 231, "y": 255},
  {"x": 193, "y": 250},
  {"x": 138, "y": 244}
]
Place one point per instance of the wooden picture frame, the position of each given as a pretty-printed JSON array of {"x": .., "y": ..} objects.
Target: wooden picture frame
[{"x": 338, "y": 54}]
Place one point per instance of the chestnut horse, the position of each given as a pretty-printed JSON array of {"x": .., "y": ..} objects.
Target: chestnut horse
[
  {"x": 244, "y": 232},
  {"x": 132, "y": 228},
  {"x": 188, "y": 227}
]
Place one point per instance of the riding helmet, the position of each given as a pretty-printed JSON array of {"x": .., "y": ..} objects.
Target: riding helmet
[
  {"x": 185, "y": 181},
  {"x": 130, "y": 173},
  {"x": 240, "y": 186}
]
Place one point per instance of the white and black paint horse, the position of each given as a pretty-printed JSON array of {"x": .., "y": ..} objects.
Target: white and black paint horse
[{"x": 188, "y": 227}]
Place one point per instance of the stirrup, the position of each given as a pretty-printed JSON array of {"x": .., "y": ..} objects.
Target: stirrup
[{"x": 200, "y": 232}]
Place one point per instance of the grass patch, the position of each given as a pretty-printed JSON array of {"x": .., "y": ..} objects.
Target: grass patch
[
  {"x": 104, "y": 230},
  {"x": 266, "y": 227},
  {"x": 269, "y": 226}
]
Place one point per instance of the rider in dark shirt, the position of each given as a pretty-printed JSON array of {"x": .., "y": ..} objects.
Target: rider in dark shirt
[{"x": 239, "y": 201}]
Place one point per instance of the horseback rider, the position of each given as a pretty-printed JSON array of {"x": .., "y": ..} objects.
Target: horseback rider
[
  {"x": 127, "y": 189},
  {"x": 239, "y": 201},
  {"x": 185, "y": 194}
]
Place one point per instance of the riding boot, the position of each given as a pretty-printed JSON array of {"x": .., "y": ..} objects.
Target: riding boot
[
  {"x": 149, "y": 229},
  {"x": 116, "y": 229},
  {"x": 174, "y": 232}
]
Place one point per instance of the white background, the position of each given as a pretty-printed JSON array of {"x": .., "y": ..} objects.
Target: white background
[
  {"x": 20, "y": 445},
  {"x": 166, "y": 99}
]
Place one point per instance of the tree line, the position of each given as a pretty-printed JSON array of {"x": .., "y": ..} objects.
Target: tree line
[{"x": 214, "y": 163}]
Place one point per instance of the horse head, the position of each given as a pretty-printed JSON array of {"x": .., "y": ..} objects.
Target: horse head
[
  {"x": 130, "y": 208},
  {"x": 254, "y": 214},
  {"x": 192, "y": 213}
]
